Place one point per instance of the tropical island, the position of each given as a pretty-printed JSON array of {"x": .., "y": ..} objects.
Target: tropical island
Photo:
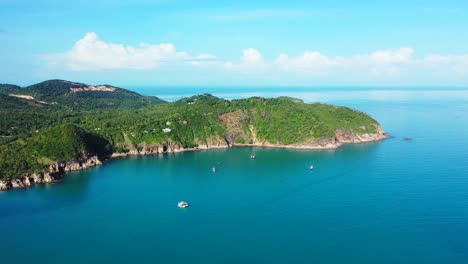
[{"x": 56, "y": 126}]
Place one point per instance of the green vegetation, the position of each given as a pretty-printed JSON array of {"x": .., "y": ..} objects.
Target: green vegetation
[
  {"x": 60, "y": 143},
  {"x": 67, "y": 142},
  {"x": 8, "y": 88},
  {"x": 34, "y": 134},
  {"x": 57, "y": 94}
]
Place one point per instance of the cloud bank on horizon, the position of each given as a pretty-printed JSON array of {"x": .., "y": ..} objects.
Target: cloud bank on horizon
[{"x": 91, "y": 53}]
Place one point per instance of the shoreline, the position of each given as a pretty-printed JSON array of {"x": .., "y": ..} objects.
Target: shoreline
[{"x": 58, "y": 170}]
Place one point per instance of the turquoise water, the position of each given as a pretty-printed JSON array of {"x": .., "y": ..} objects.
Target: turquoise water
[{"x": 393, "y": 201}]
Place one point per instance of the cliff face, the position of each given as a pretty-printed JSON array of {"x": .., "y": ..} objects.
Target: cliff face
[
  {"x": 341, "y": 137},
  {"x": 169, "y": 147},
  {"x": 56, "y": 171}
]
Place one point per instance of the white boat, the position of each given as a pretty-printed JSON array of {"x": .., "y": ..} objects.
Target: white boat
[
  {"x": 182, "y": 204},
  {"x": 252, "y": 156},
  {"x": 213, "y": 169},
  {"x": 311, "y": 167}
]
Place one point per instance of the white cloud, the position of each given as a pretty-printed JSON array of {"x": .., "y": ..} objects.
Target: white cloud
[
  {"x": 204, "y": 60},
  {"x": 448, "y": 59},
  {"x": 311, "y": 62},
  {"x": 251, "y": 61},
  {"x": 92, "y": 53},
  {"x": 455, "y": 63},
  {"x": 401, "y": 55},
  {"x": 251, "y": 57},
  {"x": 375, "y": 63}
]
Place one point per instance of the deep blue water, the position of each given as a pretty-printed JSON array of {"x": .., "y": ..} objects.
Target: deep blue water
[{"x": 393, "y": 201}]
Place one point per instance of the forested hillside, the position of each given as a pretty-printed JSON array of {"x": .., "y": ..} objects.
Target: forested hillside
[{"x": 35, "y": 134}]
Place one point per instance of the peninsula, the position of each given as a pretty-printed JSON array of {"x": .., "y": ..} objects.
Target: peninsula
[{"x": 57, "y": 126}]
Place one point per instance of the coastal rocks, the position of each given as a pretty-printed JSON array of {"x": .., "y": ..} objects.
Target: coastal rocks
[
  {"x": 55, "y": 168},
  {"x": 212, "y": 145},
  {"x": 141, "y": 150},
  {"x": 349, "y": 137},
  {"x": 37, "y": 177},
  {"x": 341, "y": 137},
  {"x": 17, "y": 183},
  {"x": 324, "y": 143},
  {"x": 133, "y": 152},
  {"x": 168, "y": 147},
  {"x": 74, "y": 165},
  {"x": 118, "y": 155},
  {"x": 5, "y": 185},
  {"x": 93, "y": 161},
  {"x": 29, "y": 180},
  {"x": 50, "y": 177},
  {"x": 55, "y": 172},
  {"x": 346, "y": 137},
  {"x": 148, "y": 150}
]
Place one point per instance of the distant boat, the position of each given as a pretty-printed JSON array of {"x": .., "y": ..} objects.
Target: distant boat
[
  {"x": 408, "y": 139},
  {"x": 213, "y": 169},
  {"x": 311, "y": 167},
  {"x": 182, "y": 204},
  {"x": 252, "y": 156}
]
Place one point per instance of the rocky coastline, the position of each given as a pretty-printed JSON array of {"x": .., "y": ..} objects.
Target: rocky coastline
[
  {"x": 340, "y": 138},
  {"x": 56, "y": 171}
]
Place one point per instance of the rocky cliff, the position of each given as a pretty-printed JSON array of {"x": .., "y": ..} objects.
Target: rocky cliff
[
  {"x": 341, "y": 137},
  {"x": 55, "y": 172}
]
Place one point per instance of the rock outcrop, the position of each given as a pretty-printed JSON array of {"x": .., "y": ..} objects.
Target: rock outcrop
[
  {"x": 55, "y": 172},
  {"x": 341, "y": 137},
  {"x": 169, "y": 147}
]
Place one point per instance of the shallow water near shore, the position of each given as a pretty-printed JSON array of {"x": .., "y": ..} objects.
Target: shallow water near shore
[{"x": 393, "y": 201}]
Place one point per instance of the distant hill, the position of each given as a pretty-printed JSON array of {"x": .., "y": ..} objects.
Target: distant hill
[
  {"x": 75, "y": 96},
  {"x": 206, "y": 98},
  {"x": 6, "y": 88}
]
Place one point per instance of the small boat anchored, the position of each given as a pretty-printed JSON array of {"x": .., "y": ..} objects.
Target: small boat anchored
[
  {"x": 213, "y": 169},
  {"x": 311, "y": 167},
  {"x": 252, "y": 156},
  {"x": 182, "y": 204}
]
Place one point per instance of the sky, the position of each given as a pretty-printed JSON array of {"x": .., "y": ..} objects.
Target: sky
[{"x": 236, "y": 43}]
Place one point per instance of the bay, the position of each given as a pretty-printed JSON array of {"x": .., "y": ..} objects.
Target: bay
[{"x": 393, "y": 201}]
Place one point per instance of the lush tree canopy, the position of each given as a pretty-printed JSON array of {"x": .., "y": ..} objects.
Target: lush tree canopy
[{"x": 34, "y": 134}]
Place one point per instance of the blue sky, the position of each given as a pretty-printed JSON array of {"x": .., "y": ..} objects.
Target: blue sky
[{"x": 142, "y": 42}]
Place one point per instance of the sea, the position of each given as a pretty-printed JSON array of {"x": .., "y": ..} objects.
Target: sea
[{"x": 394, "y": 201}]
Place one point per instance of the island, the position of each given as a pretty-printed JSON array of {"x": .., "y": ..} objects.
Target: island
[{"x": 56, "y": 126}]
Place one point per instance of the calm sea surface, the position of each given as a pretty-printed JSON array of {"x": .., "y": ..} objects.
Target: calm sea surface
[{"x": 393, "y": 201}]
